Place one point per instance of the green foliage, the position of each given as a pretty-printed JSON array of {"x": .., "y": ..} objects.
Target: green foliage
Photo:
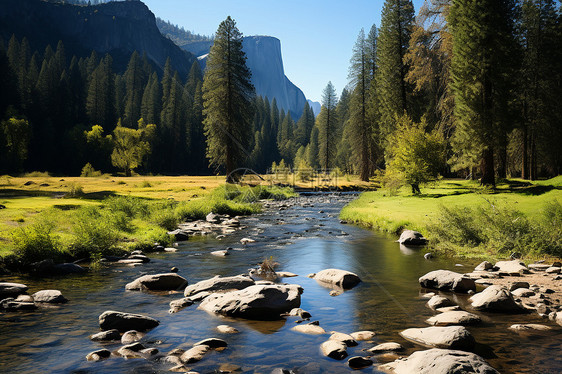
[
  {"x": 414, "y": 154},
  {"x": 328, "y": 132},
  {"x": 93, "y": 233},
  {"x": 89, "y": 171},
  {"x": 131, "y": 146},
  {"x": 36, "y": 242},
  {"x": 15, "y": 135}
]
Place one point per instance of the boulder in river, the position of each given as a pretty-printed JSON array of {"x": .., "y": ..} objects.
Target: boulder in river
[
  {"x": 344, "y": 338},
  {"x": 213, "y": 343},
  {"x": 339, "y": 278},
  {"x": 131, "y": 336},
  {"x": 158, "y": 282},
  {"x": 310, "y": 329},
  {"x": 438, "y": 301},
  {"x": 411, "y": 237},
  {"x": 386, "y": 347},
  {"x": 447, "y": 281},
  {"x": 219, "y": 283},
  {"x": 225, "y": 329},
  {"x": 106, "y": 336},
  {"x": 334, "y": 349},
  {"x": 49, "y": 296},
  {"x": 8, "y": 289},
  {"x": 529, "y": 327},
  {"x": 98, "y": 355},
  {"x": 450, "y": 337},
  {"x": 358, "y": 362},
  {"x": 454, "y": 318},
  {"x": 255, "y": 302},
  {"x": 363, "y": 335},
  {"x": 194, "y": 354},
  {"x": 11, "y": 305},
  {"x": 126, "y": 321},
  {"x": 496, "y": 298},
  {"x": 177, "y": 305},
  {"x": 440, "y": 361}
]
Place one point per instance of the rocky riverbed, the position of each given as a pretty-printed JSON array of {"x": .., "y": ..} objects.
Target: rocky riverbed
[{"x": 344, "y": 299}]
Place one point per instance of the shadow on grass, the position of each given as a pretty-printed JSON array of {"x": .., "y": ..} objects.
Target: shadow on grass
[
  {"x": 536, "y": 190},
  {"x": 13, "y": 193}
]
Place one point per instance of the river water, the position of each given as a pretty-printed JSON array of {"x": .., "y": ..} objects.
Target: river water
[{"x": 303, "y": 240}]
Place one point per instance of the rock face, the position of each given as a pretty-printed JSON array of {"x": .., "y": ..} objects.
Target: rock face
[
  {"x": 126, "y": 321},
  {"x": 11, "y": 289},
  {"x": 452, "y": 337},
  {"x": 158, "y": 282},
  {"x": 496, "y": 299},
  {"x": 49, "y": 296},
  {"x": 339, "y": 278},
  {"x": 411, "y": 237},
  {"x": 255, "y": 302},
  {"x": 118, "y": 28},
  {"x": 219, "y": 284},
  {"x": 454, "y": 318},
  {"x": 448, "y": 281},
  {"x": 268, "y": 75},
  {"x": 440, "y": 361}
]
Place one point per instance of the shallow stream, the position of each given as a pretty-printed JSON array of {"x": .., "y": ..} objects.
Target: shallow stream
[{"x": 304, "y": 238}]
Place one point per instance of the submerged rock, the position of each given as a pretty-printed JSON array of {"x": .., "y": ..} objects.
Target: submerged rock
[
  {"x": 158, "y": 282},
  {"x": 386, "y": 347},
  {"x": 8, "y": 289},
  {"x": 126, "y": 321},
  {"x": 11, "y": 305},
  {"x": 363, "y": 335},
  {"x": 219, "y": 283},
  {"x": 106, "y": 336},
  {"x": 440, "y": 361},
  {"x": 451, "y": 337},
  {"x": 225, "y": 329},
  {"x": 529, "y": 327},
  {"x": 454, "y": 318},
  {"x": 309, "y": 328},
  {"x": 448, "y": 281},
  {"x": 255, "y": 302}
]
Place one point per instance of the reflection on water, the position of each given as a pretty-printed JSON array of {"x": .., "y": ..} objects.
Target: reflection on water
[{"x": 303, "y": 241}]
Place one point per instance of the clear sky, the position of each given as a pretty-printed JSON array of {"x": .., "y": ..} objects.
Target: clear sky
[{"x": 317, "y": 36}]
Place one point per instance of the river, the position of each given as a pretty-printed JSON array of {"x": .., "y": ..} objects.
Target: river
[{"x": 303, "y": 239}]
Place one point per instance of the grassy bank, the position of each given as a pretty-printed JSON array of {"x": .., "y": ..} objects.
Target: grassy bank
[
  {"x": 463, "y": 219},
  {"x": 74, "y": 218}
]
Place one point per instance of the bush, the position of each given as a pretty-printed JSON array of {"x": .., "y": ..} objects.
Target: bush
[
  {"x": 131, "y": 206},
  {"x": 75, "y": 190},
  {"x": 93, "y": 234},
  {"x": 89, "y": 171},
  {"x": 165, "y": 218},
  {"x": 35, "y": 243}
]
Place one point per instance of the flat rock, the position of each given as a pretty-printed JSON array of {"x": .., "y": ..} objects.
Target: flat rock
[
  {"x": 255, "y": 302},
  {"x": 344, "y": 338},
  {"x": 219, "y": 283},
  {"x": 309, "y": 329},
  {"x": 363, "y": 335},
  {"x": 411, "y": 237},
  {"x": 454, "y": 318},
  {"x": 225, "y": 329},
  {"x": 386, "y": 347},
  {"x": 126, "y": 321},
  {"x": 100, "y": 354},
  {"x": 438, "y": 301},
  {"x": 448, "y": 281},
  {"x": 339, "y": 278},
  {"x": 358, "y": 362},
  {"x": 158, "y": 282},
  {"x": 450, "y": 337},
  {"x": 513, "y": 267},
  {"x": 515, "y": 285},
  {"x": 49, "y": 296},
  {"x": 553, "y": 270},
  {"x": 286, "y": 274},
  {"x": 538, "y": 267},
  {"x": 8, "y": 289},
  {"x": 220, "y": 253},
  {"x": 523, "y": 292},
  {"x": 334, "y": 349},
  {"x": 496, "y": 299},
  {"x": 529, "y": 327},
  {"x": 440, "y": 361},
  {"x": 194, "y": 354},
  {"x": 106, "y": 336},
  {"x": 11, "y": 305}
]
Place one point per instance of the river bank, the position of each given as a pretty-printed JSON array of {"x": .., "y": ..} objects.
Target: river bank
[{"x": 304, "y": 236}]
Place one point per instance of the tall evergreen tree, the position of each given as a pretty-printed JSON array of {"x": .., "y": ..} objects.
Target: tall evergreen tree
[
  {"x": 327, "y": 128},
  {"x": 151, "y": 100},
  {"x": 227, "y": 94},
  {"x": 482, "y": 46},
  {"x": 135, "y": 81},
  {"x": 100, "y": 102}
]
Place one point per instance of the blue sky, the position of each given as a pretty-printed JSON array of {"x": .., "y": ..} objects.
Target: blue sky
[{"x": 317, "y": 37}]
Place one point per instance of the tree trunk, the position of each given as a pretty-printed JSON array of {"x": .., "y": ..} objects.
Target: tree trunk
[
  {"x": 502, "y": 161},
  {"x": 487, "y": 168},
  {"x": 533, "y": 160},
  {"x": 416, "y": 189}
]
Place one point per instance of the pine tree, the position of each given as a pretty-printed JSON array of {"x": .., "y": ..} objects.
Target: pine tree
[
  {"x": 151, "y": 100},
  {"x": 227, "y": 94},
  {"x": 313, "y": 149},
  {"x": 393, "y": 93},
  {"x": 482, "y": 46},
  {"x": 135, "y": 81},
  {"x": 100, "y": 100},
  {"x": 327, "y": 128}
]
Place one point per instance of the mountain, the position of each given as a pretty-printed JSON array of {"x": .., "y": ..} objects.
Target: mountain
[
  {"x": 117, "y": 28},
  {"x": 268, "y": 74},
  {"x": 316, "y": 106}
]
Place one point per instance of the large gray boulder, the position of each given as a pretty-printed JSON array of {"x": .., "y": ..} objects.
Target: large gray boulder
[
  {"x": 450, "y": 337},
  {"x": 440, "y": 361},
  {"x": 339, "y": 278},
  {"x": 219, "y": 283},
  {"x": 411, "y": 237},
  {"x": 8, "y": 289},
  {"x": 447, "y": 281},
  {"x": 158, "y": 282},
  {"x": 126, "y": 321},
  {"x": 514, "y": 267},
  {"x": 49, "y": 296},
  {"x": 457, "y": 317},
  {"x": 496, "y": 298},
  {"x": 255, "y": 302}
]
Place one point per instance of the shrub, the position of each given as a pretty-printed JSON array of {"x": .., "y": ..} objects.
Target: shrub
[
  {"x": 35, "y": 243},
  {"x": 75, "y": 190},
  {"x": 131, "y": 206},
  {"x": 89, "y": 171},
  {"x": 93, "y": 233}
]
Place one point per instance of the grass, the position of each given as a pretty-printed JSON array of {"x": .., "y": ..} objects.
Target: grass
[
  {"x": 87, "y": 217},
  {"x": 445, "y": 201}
]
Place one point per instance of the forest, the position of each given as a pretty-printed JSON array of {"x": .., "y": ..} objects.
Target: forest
[{"x": 464, "y": 88}]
